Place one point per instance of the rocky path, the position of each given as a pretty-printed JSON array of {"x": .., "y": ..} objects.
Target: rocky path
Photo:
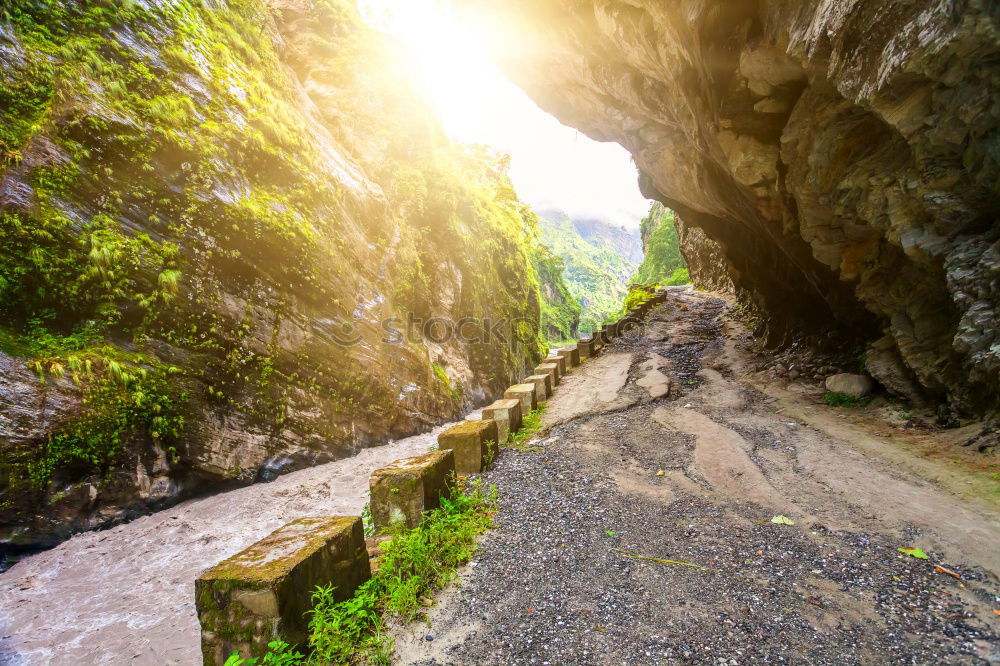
[
  {"x": 126, "y": 595},
  {"x": 638, "y": 529}
]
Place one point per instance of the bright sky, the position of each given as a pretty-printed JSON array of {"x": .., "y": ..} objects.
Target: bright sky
[{"x": 552, "y": 166}]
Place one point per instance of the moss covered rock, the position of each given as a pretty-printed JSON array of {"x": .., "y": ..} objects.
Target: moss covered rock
[
  {"x": 404, "y": 490},
  {"x": 473, "y": 443},
  {"x": 263, "y": 592}
]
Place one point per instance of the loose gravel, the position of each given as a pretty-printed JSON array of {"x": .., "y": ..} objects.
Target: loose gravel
[{"x": 575, "y": 571}]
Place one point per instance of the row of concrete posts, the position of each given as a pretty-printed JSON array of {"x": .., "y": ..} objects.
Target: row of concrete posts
[{"x": 264, "y": 592}]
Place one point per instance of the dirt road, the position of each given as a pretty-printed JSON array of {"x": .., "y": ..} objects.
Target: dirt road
[{"x": 639, "y": 530}]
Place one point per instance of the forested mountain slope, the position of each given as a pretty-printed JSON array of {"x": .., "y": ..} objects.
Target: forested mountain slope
[{"x": 596, "y": 274}]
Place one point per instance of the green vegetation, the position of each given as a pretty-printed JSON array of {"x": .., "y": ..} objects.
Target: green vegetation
[
  {"x": 835, "y": 399},
  {"x": 414, "y": 564},
  {"x": 597, "y": 277},
  {"x": 560, "y": 317},
  {"x": 637, "y": 295},
  {"x": 531, "y": 423},
  {"x": 663, "y": 263},
  {"x": 180, "y": 207},
  {"x": 125, "y": 395}
]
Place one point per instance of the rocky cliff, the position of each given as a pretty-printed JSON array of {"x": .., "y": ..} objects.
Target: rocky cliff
[
  {"x": 843, "y": 156},
  {"x": 663, "y": 259},
  {"x": 233, "y": 237}
]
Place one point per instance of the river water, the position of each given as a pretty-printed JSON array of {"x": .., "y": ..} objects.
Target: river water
[{"x": 126, "y": 595}]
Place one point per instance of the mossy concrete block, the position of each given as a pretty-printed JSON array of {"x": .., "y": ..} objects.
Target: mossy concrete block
[
  {"x": 550, "y": 369},
  {"x": 554, "y": 357},
  {"x": 571, "y": 355},
  {"x": 264, "y": 592},
  {"x": 471, "y": 441},
  {"x": 507, "y": 414},
  {"x": 402, "y": 491},
  {"x": 526, "y": 394},
  {"x": 543, "y": 386}
]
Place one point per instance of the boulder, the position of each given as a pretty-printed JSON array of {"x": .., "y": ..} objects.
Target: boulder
[
  {"x": 264, "y": 592},
  {"x": 856, "y": 386}
]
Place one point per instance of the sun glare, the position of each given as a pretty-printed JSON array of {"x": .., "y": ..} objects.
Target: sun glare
[{"x": 552, "y": 166}]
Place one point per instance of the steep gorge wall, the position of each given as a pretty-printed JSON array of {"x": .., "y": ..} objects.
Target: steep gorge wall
[
  {"x": 843, "y": 156},
  {"x": 202, "y": 202}
]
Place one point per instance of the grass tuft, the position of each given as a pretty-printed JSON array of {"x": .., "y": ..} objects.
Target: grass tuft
[
  {"x": 530, "y": 424},
  {"x": 835, "y": 399},
  {"x": 414, "y": 564}
]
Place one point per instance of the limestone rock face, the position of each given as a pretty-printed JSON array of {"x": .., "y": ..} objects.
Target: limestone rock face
[
  {"x": 707, "y": 265},
  {"x": 842, "y": 156}
]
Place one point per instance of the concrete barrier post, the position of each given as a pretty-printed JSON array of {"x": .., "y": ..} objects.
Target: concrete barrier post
[
  {"x": 507, "y": 414},
  {"x": 526, "y": 394},
  {"x": 572, "y": 356},
  {"x": 543, "y": 386},
  {"x": 404, "y": 490},
  {"x": 471, "y": 441},
  {"x": 265, "y": 591},
  {"x": 585, "y": 349},
  {"x": 554, "y": 357},
  {"x": 550, "y": 369}
]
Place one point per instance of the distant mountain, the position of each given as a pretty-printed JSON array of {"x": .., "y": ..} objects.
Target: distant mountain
[
  {"x": 599, "y": 262},
  {"x": 621, "y": 240}
]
